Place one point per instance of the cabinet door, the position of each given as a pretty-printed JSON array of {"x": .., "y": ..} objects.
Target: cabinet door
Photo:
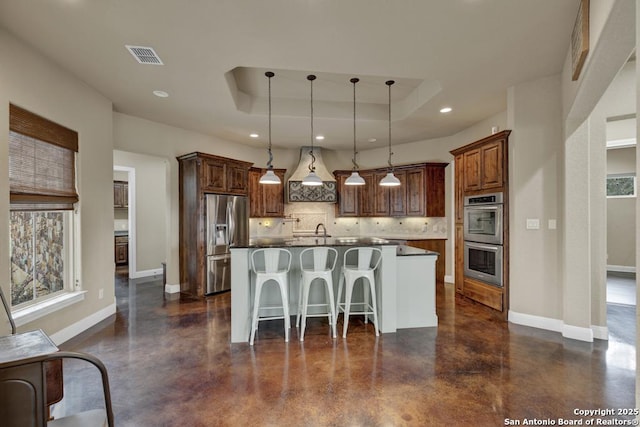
[
  {"x": 459, "y": 187},
  {"x": 255, "y": 193},
  {"x": 237, "y": 179},
  {"x": 472, "y": 170},
  {"x": 273, "y": 197},
  {"x": 381, "y": 207},
  {"x": 118, "y": 191},
  {"x": 367, "y": 195},
  {"x": 347, "y": 197},
  {"x": 398, "y": 196},
  {"x": 214, "y": 176},
  {"x": 416, "y": 193},
  {"x": 459, "y": 258},
  {"x": 492, "y": 165}
]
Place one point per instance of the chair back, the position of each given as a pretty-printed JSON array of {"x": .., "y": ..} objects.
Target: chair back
[
  {"x": 362, "y": 258},
  {"x": 270, "y": 260},
  {"x": 320, "y": 258}
]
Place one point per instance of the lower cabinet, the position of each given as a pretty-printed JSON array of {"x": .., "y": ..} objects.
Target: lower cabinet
[
  {"x": 122, "y": 250},
  {"x": 435, "y": 245},
  {"x": 483, "y": 293}
]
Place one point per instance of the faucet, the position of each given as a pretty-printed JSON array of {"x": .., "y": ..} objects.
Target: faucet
[{"x": 324, "y": 229}]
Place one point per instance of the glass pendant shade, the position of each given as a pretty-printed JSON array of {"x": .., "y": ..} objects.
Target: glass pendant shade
[
  {"x": 354, "y": 179},
  {"x": 390, "y": 180},
  {"x": 270, "y": 178},
  {"x": 312, "y": 180}
]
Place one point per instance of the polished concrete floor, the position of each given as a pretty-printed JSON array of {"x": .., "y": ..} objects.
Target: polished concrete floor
[{"x": 171, "y": 364}]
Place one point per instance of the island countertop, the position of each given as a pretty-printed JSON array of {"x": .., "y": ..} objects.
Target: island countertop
[{"x": 306, "y": 241}]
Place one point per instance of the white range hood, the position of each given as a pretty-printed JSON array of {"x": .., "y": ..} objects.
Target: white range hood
[{"x": 301, "y": 193}]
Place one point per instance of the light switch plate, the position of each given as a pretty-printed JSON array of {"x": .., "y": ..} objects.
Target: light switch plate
[
  {"x": 552, "y": 224},
  {"x": 533, "y": 224}
]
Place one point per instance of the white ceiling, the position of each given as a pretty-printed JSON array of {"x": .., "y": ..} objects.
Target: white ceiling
[{"x": 458, "y": 53}]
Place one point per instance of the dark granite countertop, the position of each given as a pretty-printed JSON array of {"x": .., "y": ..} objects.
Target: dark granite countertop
[
  {"x": 121, "y": 232},
  {"x": 290, "y": 242},
  {"x": 404, "y": 250}
]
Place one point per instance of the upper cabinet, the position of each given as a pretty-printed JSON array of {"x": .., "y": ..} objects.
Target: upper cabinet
[
  {"x": 266, "y": 200},
  {"x": 483, "y": 166},
  {"x": 215, "y": 174},
  {"x": 421, "y": 192},
  {"x": 120, "y": 194}
]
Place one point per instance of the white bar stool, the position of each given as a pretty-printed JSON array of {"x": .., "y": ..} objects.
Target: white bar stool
[
  {"x": 317, "y": 263},
  {"x": 275, "y": 266},
  {"x": 359, "y": 263}
]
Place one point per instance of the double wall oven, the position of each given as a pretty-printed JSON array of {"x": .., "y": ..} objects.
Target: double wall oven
[{"x": 483, "y": 237}]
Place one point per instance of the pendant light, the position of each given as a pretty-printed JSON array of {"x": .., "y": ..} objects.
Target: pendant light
[
  {"x": 312, "y": 179},
  {"x": 269, "y": 177},
  {"x": 390, "y": 180},
  {"x": 355, "y": 178}
]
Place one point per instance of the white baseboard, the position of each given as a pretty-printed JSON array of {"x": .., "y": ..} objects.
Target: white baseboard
[
  {"x": 539, "y": 322},
  {"x": 171, "y": 289},
  {"x": 600, "y": 332},
  {"x": 557, "y": 325},
  {"x": 146, "y": 273},
  {"x": 622, "y": 268},
  {"x": 448, "y": 279},
  {"x": 577, "y": 333},
  {"x": 82, "y": 325}
]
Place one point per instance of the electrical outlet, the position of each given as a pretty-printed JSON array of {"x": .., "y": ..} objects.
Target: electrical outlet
[
  {"x": 101, "y": 293},
  {"x": 533, "y": 224}
]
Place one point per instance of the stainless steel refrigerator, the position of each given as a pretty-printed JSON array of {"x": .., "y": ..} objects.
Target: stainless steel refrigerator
[{"x": 227, "y": 225}]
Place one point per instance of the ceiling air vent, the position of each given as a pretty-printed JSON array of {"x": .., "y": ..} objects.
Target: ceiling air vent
[{"x": 145, "y": 55}]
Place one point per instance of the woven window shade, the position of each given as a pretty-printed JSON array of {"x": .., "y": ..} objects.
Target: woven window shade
[{"x": 41, "y": 163}]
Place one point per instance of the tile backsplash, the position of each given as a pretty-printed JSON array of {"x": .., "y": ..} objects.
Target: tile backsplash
[
  {"x": 302, "y": 218},
  {"x": 120, "y": 224}
]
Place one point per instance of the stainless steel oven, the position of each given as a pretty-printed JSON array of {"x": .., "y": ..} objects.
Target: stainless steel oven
[
  {"x": 483, "y": 218},
  {"x": 483, "y": 262}
]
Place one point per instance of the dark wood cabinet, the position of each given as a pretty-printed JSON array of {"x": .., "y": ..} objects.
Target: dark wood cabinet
[
  {"x": 266, "y": 200},
  {"x": 347, "y": 195},
  {"x": 122, "y": 250},
  {"x": 482, "y": 167},
  {"x": 435, "y": 245},
  {"x": 421, "y": 192},
  {"x": 120, "y": 194},
  {"x": 199, "y": 174}
]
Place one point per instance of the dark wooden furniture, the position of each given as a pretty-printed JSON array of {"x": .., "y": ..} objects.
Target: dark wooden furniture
[
  {"x": 266, "y": 200},
  {"x": 421, "y": 192},
  {"x": 435, "y": 245},
  {"x": 199, "y": 174},
  {"x": 482, "y": 167},
  {"x": 122, "y": 249},
  {"x": 120, "y": 194}
]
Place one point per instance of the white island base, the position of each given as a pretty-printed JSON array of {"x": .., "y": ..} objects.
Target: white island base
[{"x": 405, "y": 287}]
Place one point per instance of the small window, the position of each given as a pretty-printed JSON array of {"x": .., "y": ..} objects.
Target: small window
[{"x": 621, "y": 185}]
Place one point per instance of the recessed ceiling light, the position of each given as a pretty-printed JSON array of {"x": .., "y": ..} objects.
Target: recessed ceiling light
[
  {"x": 319, "y": 137},
  {"x": 160, "y": 94},
  {"x": 254, "y": 135},
  {"x": 446, "y": 110},
  {"x": 372, "y": 140}
]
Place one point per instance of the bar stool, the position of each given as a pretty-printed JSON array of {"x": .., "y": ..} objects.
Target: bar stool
[
  {"x": 275, "y": 266},
  {"x": 317, "y": 263},
  {"x": 359, "y": 263}
]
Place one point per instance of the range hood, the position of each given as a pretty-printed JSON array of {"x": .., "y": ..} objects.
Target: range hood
[{"x": 302, "y": 193}]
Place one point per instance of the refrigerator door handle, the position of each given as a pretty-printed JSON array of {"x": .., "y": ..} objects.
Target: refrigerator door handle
[{"x": 231, "y": 227}]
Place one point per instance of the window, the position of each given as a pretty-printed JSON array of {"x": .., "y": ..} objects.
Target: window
[
  {"x": 42, "y": 195},
  {"x": 621, "y": 185}
]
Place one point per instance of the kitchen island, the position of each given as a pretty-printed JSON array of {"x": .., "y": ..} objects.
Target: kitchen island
[{"x": 405, "y": 281}]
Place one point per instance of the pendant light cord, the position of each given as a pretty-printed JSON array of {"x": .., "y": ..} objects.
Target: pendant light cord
[
  {"x": 312, "y": 167},
  {"x": 355, "y": 153},
  {"x": 389, "y": 83},
  {"x": 269, "y": 74}
]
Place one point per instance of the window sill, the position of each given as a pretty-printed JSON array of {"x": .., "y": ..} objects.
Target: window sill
[{"x": 28, "y": 314}]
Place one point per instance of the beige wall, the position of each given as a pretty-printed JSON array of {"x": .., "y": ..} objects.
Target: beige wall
[
  {"x": 150, "y": 191},
  {"x": 34, "y": 83},
  {"x": 621, "y": 213}
]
